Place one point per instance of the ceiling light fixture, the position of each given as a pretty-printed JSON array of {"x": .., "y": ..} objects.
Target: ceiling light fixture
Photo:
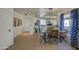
[{"x": 50, "y": 12}]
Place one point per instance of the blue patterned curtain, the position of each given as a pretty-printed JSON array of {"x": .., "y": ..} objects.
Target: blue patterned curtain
[
  {"x": 61, "y": 22},
  {"x": 74, "y": 27}
]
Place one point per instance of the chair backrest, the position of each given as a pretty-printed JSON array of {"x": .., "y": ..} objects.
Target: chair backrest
[
  {"x": 54, "y": 32},
  {"x": 64, "y": 34}
]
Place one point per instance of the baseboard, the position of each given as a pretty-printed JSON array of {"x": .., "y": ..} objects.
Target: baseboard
[
  {"x": 9, "y": 45},
  {"x": 17, "y": 35},
  {"x": 5, "y": 47}
]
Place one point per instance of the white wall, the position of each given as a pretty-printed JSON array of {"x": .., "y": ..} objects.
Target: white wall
[
  {"x": 18, "y": 29},
  {"x": 28, "y": 24},
  {"x": 6, "y": 23}
]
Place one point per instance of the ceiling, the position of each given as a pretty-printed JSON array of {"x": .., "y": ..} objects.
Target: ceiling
[
  {"x": 28, "y": 11},
  {"x": 36, "y": 12}
]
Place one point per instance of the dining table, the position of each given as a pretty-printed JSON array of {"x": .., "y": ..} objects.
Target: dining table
[{"x": 55, "y": 34}]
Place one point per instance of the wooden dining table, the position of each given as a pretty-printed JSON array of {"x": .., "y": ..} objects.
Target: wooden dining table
[{"x": 56, "y": 34}]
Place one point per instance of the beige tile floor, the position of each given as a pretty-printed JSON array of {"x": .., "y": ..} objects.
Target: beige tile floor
[{"x": 26, "y": 41}]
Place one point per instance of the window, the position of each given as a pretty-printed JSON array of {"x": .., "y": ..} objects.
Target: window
[
  {"x": 66, "y": 23},
  {"x": 42, "y": 22}
]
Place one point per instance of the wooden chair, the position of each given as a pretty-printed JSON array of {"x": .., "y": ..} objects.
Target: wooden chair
[
  {"x": 49, "y": 36},
  {"x": 55, "y": 34},
  {"x": 62, "y": 35},
  {"x": 52, "y": 34}
]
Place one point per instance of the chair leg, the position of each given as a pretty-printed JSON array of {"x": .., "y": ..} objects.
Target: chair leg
[
  {"x": 61, "y": 38},
  {"x": 42, "y": 43},
  {"x": 50, "y": 40}
]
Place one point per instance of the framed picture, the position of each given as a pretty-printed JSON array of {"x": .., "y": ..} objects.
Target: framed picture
[
  {"x": 14, "y": 22},
  {"x": 17, "y": 22},
  {"x": 20, "y": 22}
]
